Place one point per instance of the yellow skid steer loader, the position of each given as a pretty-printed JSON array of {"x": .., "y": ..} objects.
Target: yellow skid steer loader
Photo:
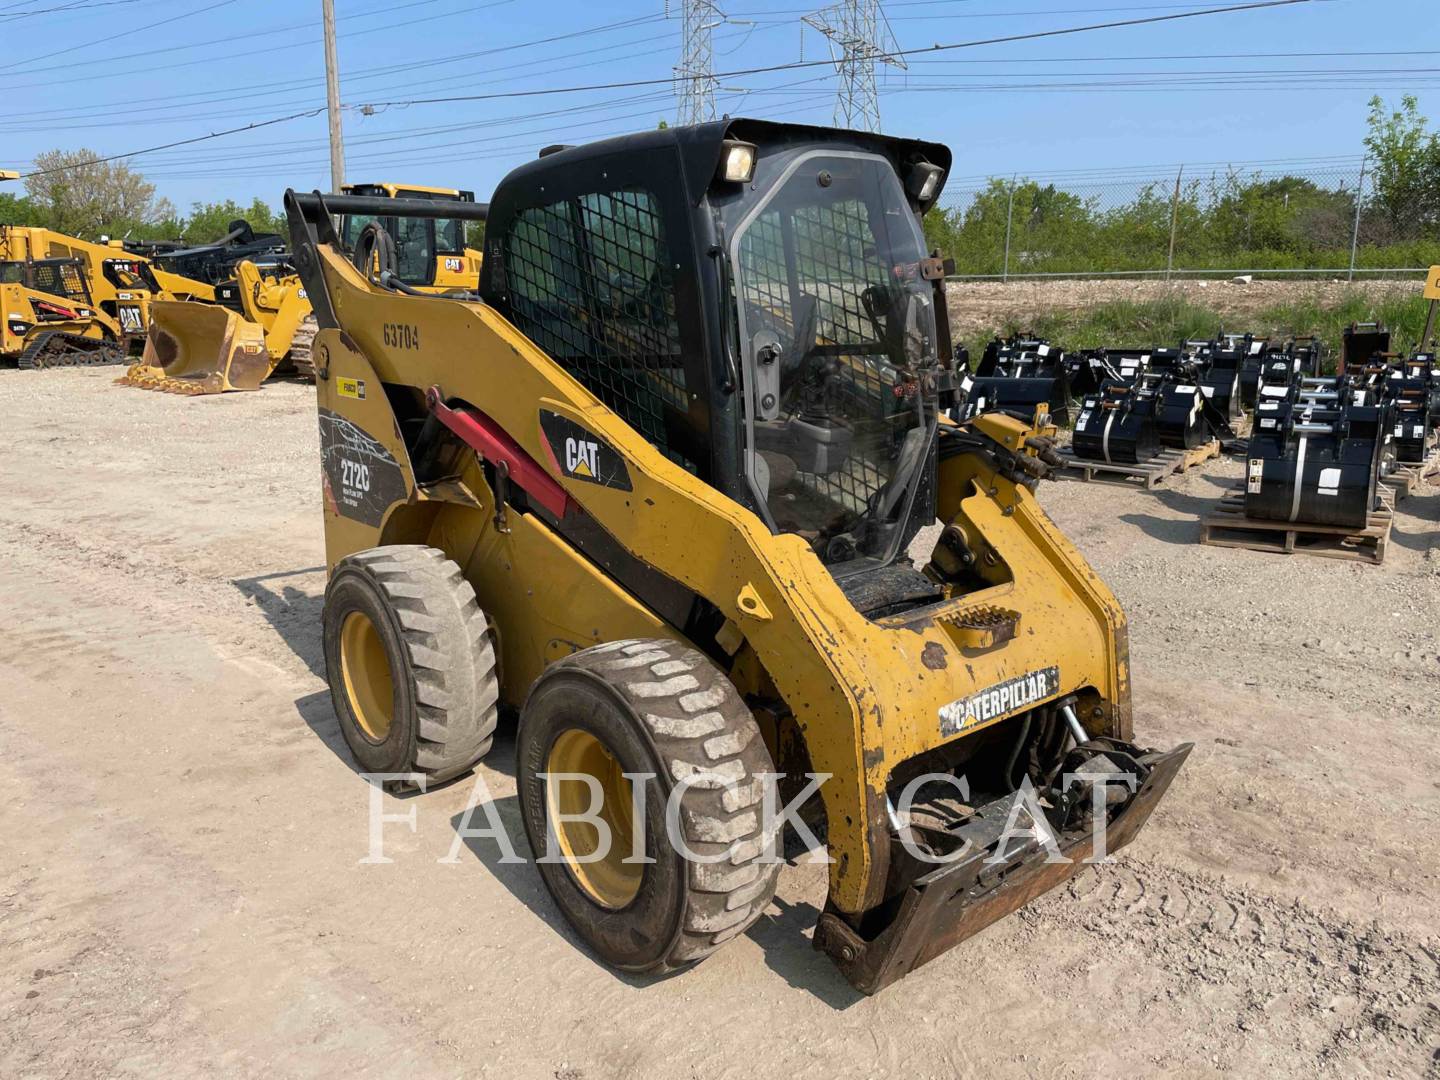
[
  {"x": 48, "y": 318},
  {"x": 121, "y": 284},
  {"x": 259, "y": 321},
  {"x": 654, "y": 489}
]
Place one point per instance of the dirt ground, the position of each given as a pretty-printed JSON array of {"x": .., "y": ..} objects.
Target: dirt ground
[
  {"x": 984, "y": 307},
  {"x": 181, "y": 891}
]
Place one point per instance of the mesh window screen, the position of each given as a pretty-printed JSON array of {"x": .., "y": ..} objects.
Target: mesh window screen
[
  {"x": 592, "y": 285},
  {"x": 60, "y": 279},
  {"x": 833, "y": 253}
]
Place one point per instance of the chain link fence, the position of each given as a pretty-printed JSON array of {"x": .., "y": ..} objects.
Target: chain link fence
[{"x": 1207, "y": 221}]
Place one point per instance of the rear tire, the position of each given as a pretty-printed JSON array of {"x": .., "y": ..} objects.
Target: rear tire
[
  {"x": 411, "y": 663},
  {"x": 660, "y": 708}
]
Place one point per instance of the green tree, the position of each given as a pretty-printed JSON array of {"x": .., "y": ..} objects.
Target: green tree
[
  {"x": 81, "y": 195},
  {"x": 1281, "y": 213},
  {"x": 1405, "y": 157},
  {"x": 18, "y": 210},
  {"x": 1049, "y": 225},
  {"x": 208, "y": 222}
]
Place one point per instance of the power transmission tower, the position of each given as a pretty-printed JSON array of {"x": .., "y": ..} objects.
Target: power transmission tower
[
  {"x": 694, "y": 75},
  {"x": 332, "y": 98},
  {"x": 859, "y": 37}
]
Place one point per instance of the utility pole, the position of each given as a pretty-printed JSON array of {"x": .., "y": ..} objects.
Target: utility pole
[
  {"x": 332, "y": 99},
  {"x": 695, "y": 74},
  {"x": 859, "y": 36}
]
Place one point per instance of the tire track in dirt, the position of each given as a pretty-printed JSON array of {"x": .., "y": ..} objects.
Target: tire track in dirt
[
  {"x": 1351, "y": 995},
  {"x": 123, "y": 603}
]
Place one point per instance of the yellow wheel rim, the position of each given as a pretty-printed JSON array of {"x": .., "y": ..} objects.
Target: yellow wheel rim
[
  {"x": 365, "y": 670},
  {"x": 608, "y": 880}
]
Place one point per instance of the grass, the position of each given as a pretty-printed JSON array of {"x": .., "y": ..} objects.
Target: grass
[{"x": 1171, "y": 320}]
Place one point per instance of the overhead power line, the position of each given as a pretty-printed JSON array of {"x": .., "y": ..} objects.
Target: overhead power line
[
  {"x": 694, "y": 75},
  {"x": 635, "y": 83},
  {"x": 895, "y": 54},
  {"x": 11, "y": 16},
  {"x": 360, "y": 73},
  {"x": 859, "y": 36},
  {"x": 111, "y": 37},
  {"x": 178, "y": 142},
  {"x": 231, "y": 40}
]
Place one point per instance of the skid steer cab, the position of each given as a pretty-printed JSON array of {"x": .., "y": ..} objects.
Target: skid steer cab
[
  {"x": 431, "y": 254},
  {"x": 657, "y": 487}
]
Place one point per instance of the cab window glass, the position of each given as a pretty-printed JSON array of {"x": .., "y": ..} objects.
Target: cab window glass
[{"x": 414, "y": 249}]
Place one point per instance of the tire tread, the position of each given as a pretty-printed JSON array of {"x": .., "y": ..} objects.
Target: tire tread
[
  {"x": 450, "y": 651},
  {"x": 701, "y": 726}
]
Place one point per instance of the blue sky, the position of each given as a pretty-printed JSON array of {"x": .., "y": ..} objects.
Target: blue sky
[{"x": 120, "y": 75}]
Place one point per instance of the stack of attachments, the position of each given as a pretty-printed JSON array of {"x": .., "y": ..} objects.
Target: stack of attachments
[
  {"x": 1360, "y": 342},
  {"x": 1413, "y": 388},
  {"x": 1014, "y": 377},
  {"x": 1117, "y": 425},
  {"x": 1316, "y": 453}
]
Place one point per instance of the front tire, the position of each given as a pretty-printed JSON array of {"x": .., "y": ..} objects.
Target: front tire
[
  {"x": 660, "y": 708},
  {"x": 410, "y": 662}
]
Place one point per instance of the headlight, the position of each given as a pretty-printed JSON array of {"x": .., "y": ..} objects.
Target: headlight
[
  {"x": 737, "y": 161},
  {"x": 923, "y": 183}
]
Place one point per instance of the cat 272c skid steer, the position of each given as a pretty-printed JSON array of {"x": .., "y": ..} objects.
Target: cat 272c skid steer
[{"x": 654, "y": 488}]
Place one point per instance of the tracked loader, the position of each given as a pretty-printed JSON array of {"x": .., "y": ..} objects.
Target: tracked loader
[
  {"x": 48, "y": 319},
  {"x": 120, "y": 284},
  {"x": 260, "y": 321},
  {"x": 653, "y": 488}
]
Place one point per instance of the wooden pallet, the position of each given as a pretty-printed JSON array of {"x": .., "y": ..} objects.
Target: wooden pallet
[
  {"x": 1227, "y": 526},
  {"x": 1409, "y": 475},
  {"x": 1145, "y": 475}
]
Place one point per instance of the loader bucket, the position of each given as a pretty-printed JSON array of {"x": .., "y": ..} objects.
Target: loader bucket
[
  {"x": 200, "y": 349},
  {"x": 987, "y": 879}
]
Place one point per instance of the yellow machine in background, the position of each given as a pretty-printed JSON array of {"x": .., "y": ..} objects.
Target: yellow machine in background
[
  {"x": 262, "y": 318},
  {"x": 48, "y": 318},
  {"x": 431, "y": 254},
  {"x": 272, "y": 295},
  {"x": 654, "y": 487},
  {"x": 122, "y": 285}
]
